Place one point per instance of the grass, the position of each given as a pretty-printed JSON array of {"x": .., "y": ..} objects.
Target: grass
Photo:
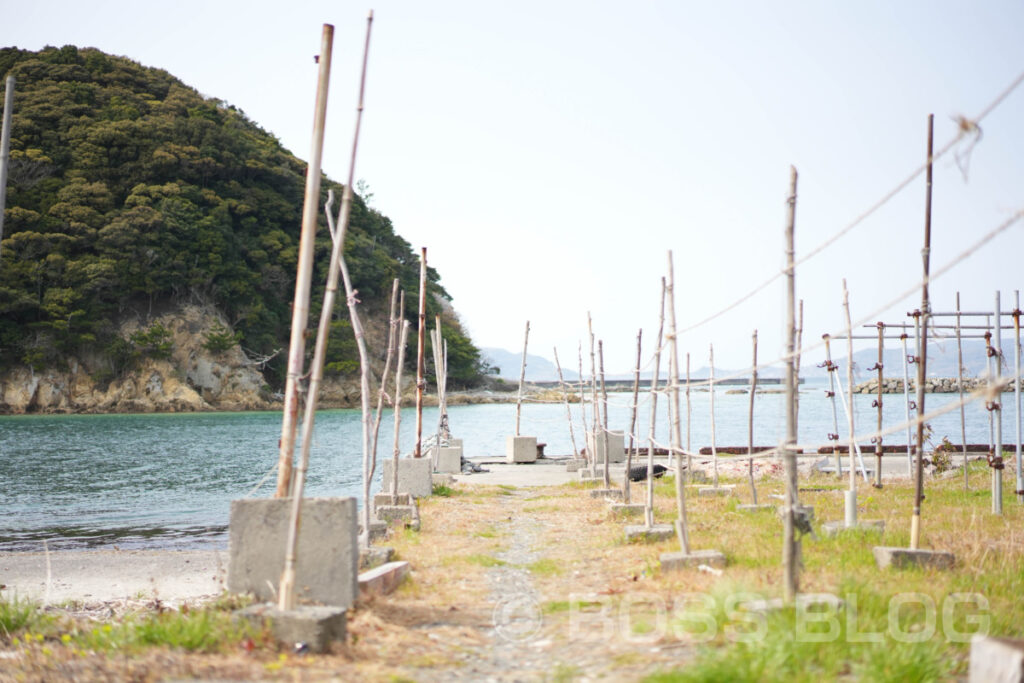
[
  {"x": 544, "y": 567},
  {"x": 18, "y": 616}
]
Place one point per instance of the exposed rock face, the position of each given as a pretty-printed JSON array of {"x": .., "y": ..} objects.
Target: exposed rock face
[{"x": 192, "y": 379}]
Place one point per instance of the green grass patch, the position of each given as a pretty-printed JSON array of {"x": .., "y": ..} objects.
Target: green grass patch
[
  {"x": 22, "y": 616},
  {"x": 444, "y": 491},
  {"x": 544, "y": 567},
  {"x": 485, "y": 560}
]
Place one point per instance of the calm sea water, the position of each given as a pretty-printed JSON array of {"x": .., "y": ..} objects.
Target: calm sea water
[{"x": 166, "y": 481}]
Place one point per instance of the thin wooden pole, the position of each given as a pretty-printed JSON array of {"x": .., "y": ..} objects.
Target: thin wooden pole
[
  {"x": 922, "y": 367},
  {"x": 689, "y": 414},
  {"x": 851, "y": 495},
  {"x": 632, "y": 420},
  {"x": 522, "y": 376},
  {"x": 878, "y": 404},
  {"x": 834, "y": 435},
  {"x": 790, "y": 543},
  {"x": 420, "y": 349},
  {"x": 304, "y": 273},
  {"x": 682, "y": 530},
  {"x": 796, "y": 360},
  {"x": 997, "y": 412},
  {"x": 5, "y": 146},
  {"x": 908, "y": 403},
  {"x": 286, "y": 591},
  {"x": 593, "y": 385},
  {"x": 604, "y": 411},
  {"x": 393, "y": 321},
  {"x": 750, "y": 423},
  {"x": 1016, "y": 396},
  {"x": 403, "y": 341},
  {"x": 711, "y": 392},
  {"x": 960, "y": 389},
  {"x": 587, "y": 455},
  {"x": 441, "y": 373},
  {"x": 649, "y": 507},
  {"x": 565, "y": 399}
]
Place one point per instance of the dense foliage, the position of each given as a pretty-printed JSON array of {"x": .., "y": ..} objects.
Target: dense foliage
[{"x": 128, "y": 190}]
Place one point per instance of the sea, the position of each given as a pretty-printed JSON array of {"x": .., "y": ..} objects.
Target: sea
[{"x": 166, "y": 481}]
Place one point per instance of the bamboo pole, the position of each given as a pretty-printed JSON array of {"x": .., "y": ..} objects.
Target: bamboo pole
[
  {"x": 593, "y": 387},
  {"x": 286, "y": 591},
  {"x": 796, "y": 360},
  {"x": 440, "y": 347},
  {"x": 632, "y": 419},
  {"x": 522, "y": 377},
  {"x": 689, "y": 414},
  {"x": 304, "y": 273},
  {"x": 604, "y": 411},
  {"x": 5, "y": 146},
  {"x": 750, "y": 423},
  {"x": 711, "y": 392},
  {"x": 565, "y": 399},
  {"x": 922, "y": 367},
  {"x": 878, "y": 404},
  {"x": 960, "y": 389},
  {"x": 587, "y": 455},
  {"x": 790, "y": 543},
  {"x": 403, "y": 341},
  {"x": 682, "y": 527},
  {"x": 382, "y": 388},
  {"x": 997, "y": 413},
  {"x": 649, "y": 507},
  {"x": 1016, "y": 396},
  {"x": 834, "y": 435},
  {"x": 420, "y": 344},
  {"x": 851, "y": 495},
  {"x": 908, "y": 403}
]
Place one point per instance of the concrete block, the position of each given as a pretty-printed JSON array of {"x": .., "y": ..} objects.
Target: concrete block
[
  {"x": 615, "y": 494},
  {"x": 657, "y": 532},
  {"x": 413, "y": 476},
  {"x": 316, "y": 627},
  {"x": 723, "y": 490},
  {"x": 455, "y": 443},
  {"x": 378, "y": 530},
  {"x": 575, "y": 465},
  {"x": 627, "y": 509},
  {"x": 680, "y": 560},
  {"x": 328, "y": 553},
  {"x": 612, "y": 442},
  {"x": 806, "y": 510},
  {"x": 448, "y": 460},
  {"x": 391, "y": 513},
  {"x": 383, "y": 579},
  {"x": 886, "y": 557},
  {"x": 520, "y": 449},
  {"x": 387, "y": 499},
  {"x": 996, "y": 660},
  {"x": 760, "y": 507},
  {"x": 831, "y": 529},
  {"x": 375, "y": 556}
]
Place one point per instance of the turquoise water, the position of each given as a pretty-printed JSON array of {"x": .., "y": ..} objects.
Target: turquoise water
[{"x": 166, "y": 481}]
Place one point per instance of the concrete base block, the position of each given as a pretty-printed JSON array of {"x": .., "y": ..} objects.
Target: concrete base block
[
  {"x": 448, "y": 460},
  {"x": 388, "y": 499},
  {"x": 803, "y": 601},
  {"x": 755, "y": 508},
  {"x": 807, "y": 510},
  {"x": 834, "y": 528},
  {"x": 886, "y": 557},
  {"x": 612, "y": 442},
  {"x": 615, "y": 494},
  {"x": 627, "y": 509},
  {"x": 378, "y": 530},
  {"x": 390, "y": 513},
  {"x": 375, "y": 556},
  {"x": 328, "y": 553},
  {"x": 996, "y": 659},
  {"x": 520, "y": 449},
  {"x": 575, "y": 465},
  {"x": 413, "y": 476},
  {"x": 316, "y": 627},
  {"x": 657, "y": 532},
  {"x": 695, "y": 558},
  {"x": 723, "y": 490},
  {"x": 441, "y": 479},
  {"x": 383, "y": 579}
]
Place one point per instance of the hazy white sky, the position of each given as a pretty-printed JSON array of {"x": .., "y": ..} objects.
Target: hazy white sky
[{"x": 549, "y": 154}]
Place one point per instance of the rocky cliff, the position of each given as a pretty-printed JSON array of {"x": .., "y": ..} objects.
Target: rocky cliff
[{"x": 191, "y": 378}]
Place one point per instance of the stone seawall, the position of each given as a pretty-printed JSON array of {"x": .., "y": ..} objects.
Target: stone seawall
[{"x": 932, "y": 385}]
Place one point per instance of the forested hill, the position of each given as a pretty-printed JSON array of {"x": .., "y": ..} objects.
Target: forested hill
[{"x": 129, "y": 191}]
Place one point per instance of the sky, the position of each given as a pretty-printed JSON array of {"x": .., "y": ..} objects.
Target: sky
[{"x": 550, "y": 154}]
